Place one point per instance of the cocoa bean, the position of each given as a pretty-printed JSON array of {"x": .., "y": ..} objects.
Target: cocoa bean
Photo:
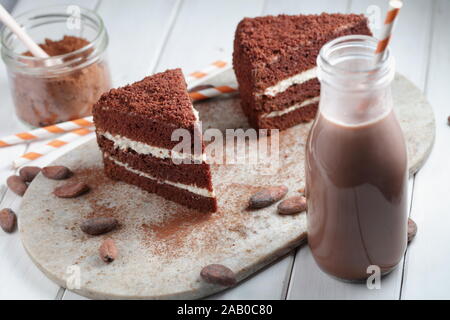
[
  {"x": 29, "y": 173},
  {"x": 412, "y": 229},
  {"x": 17, "y": 185},
  {"x": 267, "y": 196},
  {"x": 218, "y": 274},
  {"x": 292, "y": 205},
  {"x": 71, "y": 190},
  {"x": 100, "y": 225},
  {"x": 8, "y": 220},
  {"x": 56, "y": 172},
  {"x": 108, "y": 251}
]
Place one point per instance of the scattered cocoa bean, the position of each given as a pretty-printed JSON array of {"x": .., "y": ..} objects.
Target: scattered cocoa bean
[
  {"x": 108, "y": 251},
  {"x": 267, "y": 196},
  {"x": 201, "y": 87},
  {"x": 218, "y": 274},
  {"x": 29, "y": 173},
  {"x": 100, "y": 225},
  {"x": 71, "y": 190},
  {"x": 56, "y": 172},
  {"x": 17, "y": 185},
  {"x": 8, "y": 220},
  {"x": 292, "y": 205},
  {"x": 412, "y": 229}
]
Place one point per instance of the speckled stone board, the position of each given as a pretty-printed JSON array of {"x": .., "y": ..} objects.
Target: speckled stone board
[{"x": 163, "y": 246}]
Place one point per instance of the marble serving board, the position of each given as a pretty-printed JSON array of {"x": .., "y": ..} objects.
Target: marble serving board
[{"x": 163, "y": 246}]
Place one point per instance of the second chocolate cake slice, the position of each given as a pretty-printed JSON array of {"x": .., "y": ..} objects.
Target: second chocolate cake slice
[
  {"x": 134, "y": 126},
  {"x": 274, "y": 60}
]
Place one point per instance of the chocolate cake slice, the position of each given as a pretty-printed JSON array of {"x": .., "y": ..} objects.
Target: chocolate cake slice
[
  {"x": 134, "y": 126},
  {"x": 274, "y": 60}
]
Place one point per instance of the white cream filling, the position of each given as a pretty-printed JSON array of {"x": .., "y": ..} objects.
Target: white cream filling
[
  {"x": 283, "y": 85},
  {"x": 299, "y": 78},
  {"x": 191, "y": 188},
  {"x": 124, "y": 143},
  {"x": 291, "y": 108}
]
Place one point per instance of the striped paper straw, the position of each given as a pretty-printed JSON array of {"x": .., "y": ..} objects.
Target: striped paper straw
[
  {"x": 74, "y": 135},
  {"x": 86, "y": 122},
  {"x": 80, "y": 125},
  {"x": 389, "y": 22},
  {"x": 49, "y": 131},
  {"x": 211, "y": 92},
  {"x": 211, "y": 69},
  {"x": 51, "y": 146},
  {"x": 46, "y": 132}
]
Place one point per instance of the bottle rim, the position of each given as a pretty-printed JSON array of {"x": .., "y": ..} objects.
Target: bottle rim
[
  {"x": 86, "y": 55},
  {"x": 377, "y": 74}
]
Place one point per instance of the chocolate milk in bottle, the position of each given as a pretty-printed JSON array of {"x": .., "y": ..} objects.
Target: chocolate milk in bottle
[{"x": 356, "y": 164}]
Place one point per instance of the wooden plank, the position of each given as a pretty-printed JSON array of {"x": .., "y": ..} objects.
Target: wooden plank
[
  {"x": 204, "y": 32},
  {"x": 203, "y": 45},
  {"x": 309, "y": 282},
  {"x": 134, "y": 47},
  {"x": 25, "y": 5},
  {"x": 19, "y": 277},
  {"x": 268, "y": 284},
  {"x": 426, "y": 273},
  {"x": 216, "y": 44},
  {"x": 274, "y": 7}
]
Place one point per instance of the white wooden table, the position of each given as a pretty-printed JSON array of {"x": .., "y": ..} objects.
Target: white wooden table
[{"x": 150, "y": 36}]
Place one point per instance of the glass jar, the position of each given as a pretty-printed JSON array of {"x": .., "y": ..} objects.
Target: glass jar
[
  {"x": 356, "y": 164},
  {"x": 62, "y": 87}
]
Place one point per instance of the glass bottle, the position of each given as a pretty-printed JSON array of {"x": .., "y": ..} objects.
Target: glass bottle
[{"x": 356, "y": 164}]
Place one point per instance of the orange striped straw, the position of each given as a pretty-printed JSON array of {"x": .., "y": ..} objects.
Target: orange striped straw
[
  {"x": 75, "y": 134},
  {"x": 211, "y": 92},
  {"x": 388, "y": 26},
  {"x": 51, "y": 146},
  {"x": 80, "y": 127},
  {"x": 46, "y": 132},
  {"x": 213, "y": 68},
  {"x": 49, "y": 131}
]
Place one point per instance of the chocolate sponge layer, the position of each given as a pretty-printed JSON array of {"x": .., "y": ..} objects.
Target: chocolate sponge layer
[
  {"x": 163, "y": 169},
  {"x": 172, "y": 193}
]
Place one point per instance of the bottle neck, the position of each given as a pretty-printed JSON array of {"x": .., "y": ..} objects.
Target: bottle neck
[{"x": 354, "y": 89}]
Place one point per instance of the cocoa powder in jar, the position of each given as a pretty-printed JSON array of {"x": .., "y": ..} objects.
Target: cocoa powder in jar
[{"x": 49, "y": 98}]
